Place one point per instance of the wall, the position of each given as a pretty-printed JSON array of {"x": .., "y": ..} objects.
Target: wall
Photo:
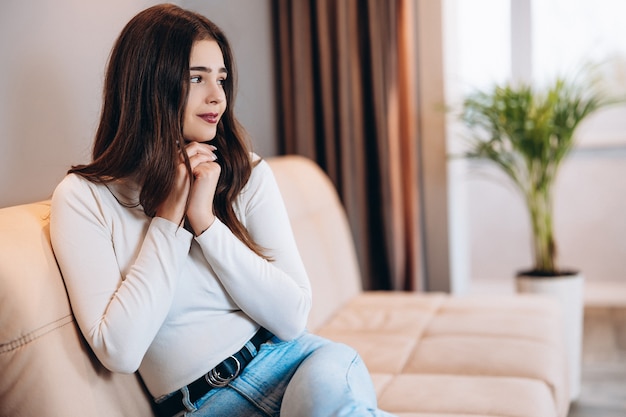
[{"x": 53, "y": 58}]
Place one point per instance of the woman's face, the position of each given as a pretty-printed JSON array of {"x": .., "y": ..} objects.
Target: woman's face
[{"x": 207, "y": 99}]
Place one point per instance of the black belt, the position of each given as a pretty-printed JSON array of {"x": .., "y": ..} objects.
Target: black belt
[{"x": 218, "y": 377}]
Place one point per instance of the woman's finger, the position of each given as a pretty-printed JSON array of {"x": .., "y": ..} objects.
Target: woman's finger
[{"x": 200, "y": 152}]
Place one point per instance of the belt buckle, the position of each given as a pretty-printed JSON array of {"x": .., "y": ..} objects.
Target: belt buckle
[{"x": 214, "y": 379}]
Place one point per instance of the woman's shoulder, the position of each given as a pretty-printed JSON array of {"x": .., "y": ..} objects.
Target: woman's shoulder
[
  {"x": 74, "y": 187},
  {"x": 260, "y": 178},
  {"x": 72, "y": 183},
  {"x": 260, "y": 168}
]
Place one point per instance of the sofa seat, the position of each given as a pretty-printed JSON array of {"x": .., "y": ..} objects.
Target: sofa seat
[
  {"x": 444, "y": 356},
  {"x": 430, "y": 354}
]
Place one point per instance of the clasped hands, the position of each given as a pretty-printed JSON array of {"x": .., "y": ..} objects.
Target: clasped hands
[{"x": 206, "y": 173}]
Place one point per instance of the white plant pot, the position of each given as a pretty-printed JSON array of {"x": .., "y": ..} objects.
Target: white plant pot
[{"x": 568, "y": 290}]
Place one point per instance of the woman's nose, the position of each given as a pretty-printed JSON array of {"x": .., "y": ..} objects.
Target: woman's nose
[{"x": 215, "y": 94}]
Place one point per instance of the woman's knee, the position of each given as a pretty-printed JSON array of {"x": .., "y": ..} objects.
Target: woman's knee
[
  {"x": 336, "y": 353},
  {"x": 330, "y": 379}
]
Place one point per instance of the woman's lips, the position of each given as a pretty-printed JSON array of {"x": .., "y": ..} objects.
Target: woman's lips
[{"x": 209, "y": 117}]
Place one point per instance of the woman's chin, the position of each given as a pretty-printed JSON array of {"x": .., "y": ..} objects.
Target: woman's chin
[{"x": 199, "y": 140}]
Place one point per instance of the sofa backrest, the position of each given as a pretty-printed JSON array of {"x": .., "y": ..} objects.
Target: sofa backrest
[{"x": 322, "y": 234}]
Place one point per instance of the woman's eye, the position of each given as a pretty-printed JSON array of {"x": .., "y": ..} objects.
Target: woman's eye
[
  {"x": 221, "y": 81},
  {"x": 196, "y": 79}
]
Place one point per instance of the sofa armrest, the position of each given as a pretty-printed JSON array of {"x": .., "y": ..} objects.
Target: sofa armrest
[{"x": 47, "y": 368}]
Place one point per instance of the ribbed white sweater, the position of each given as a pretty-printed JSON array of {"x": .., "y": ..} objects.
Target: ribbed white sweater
[{"x": 147, "y": 295}]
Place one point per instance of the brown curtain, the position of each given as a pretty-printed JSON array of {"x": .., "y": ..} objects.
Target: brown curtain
[{"x": 348, "y": 101}]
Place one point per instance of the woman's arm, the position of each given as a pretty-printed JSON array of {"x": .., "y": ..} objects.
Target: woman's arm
[
  {"x": 118, "y": 314},
  {"x": 276, "y": 294}
]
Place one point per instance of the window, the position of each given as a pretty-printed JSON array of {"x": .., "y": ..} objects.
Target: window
[
  {"x": 490, "y": 41},
  {"x": 567, "y": 34}
]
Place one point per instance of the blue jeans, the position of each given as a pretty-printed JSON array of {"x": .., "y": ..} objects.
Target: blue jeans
[{"x": 309, "y": 377}]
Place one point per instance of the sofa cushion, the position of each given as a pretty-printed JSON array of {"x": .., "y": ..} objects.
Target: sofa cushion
[{"x": 462, "y": 395}]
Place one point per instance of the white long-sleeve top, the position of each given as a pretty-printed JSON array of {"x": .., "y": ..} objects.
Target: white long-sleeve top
[{"x": 149, "y": 296}]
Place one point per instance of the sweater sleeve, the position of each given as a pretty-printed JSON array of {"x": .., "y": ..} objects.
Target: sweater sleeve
[
  {"x": 118, "y": 313},
  {"x": 276, "y": 293}
]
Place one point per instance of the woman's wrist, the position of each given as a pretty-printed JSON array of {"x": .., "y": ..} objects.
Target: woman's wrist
[{"x": 201, "y": 227}]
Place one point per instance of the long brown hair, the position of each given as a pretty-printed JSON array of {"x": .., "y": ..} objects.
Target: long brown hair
[{"x": 145, "y": 92}]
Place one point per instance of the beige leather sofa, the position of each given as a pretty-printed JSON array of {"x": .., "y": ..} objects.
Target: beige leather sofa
[{"x": 429, "y": 354}]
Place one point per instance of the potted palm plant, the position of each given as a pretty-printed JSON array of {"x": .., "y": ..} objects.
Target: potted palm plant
[{"x": 528, "y": 132}]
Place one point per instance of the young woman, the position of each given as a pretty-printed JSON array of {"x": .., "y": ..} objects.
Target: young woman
[{"x": 176, "y": 248}]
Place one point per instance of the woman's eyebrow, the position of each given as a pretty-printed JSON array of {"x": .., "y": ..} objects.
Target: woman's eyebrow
[{"x": 207, "y": 70}]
